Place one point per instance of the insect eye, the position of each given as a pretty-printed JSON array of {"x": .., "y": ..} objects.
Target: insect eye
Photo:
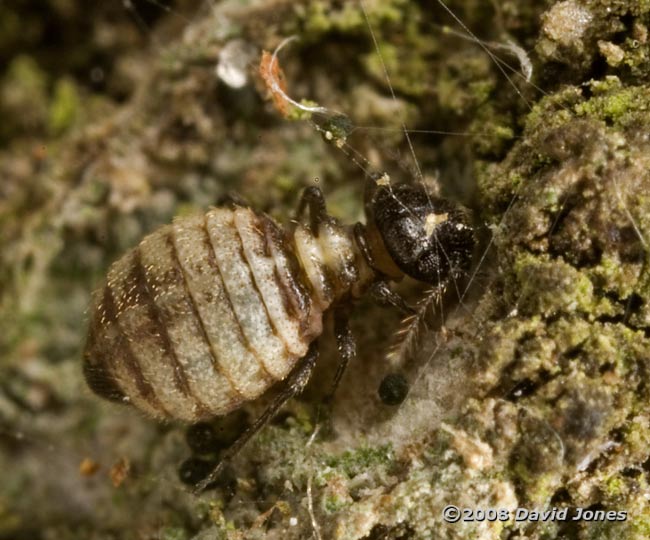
[{"x": 428, "y": 238}]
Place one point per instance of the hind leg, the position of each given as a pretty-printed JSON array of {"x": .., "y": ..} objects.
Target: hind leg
[
  {"x": 347, "y": 347},
  {"x": 293, "y": 385}
]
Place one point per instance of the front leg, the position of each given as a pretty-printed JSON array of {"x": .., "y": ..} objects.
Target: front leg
[
  {"x": 292, "y": 386},
  {"x": 384, "y": 296}
]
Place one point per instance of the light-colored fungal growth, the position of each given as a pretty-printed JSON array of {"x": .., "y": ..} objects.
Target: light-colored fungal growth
[{"x": 566, "y": 22}]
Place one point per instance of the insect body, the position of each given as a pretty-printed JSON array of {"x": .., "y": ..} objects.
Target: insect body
[{"x": 211, "y": 311}]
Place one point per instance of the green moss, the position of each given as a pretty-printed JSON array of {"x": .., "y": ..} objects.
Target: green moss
[
  {"x": 173, "y": 533},
  {"x": 549, "y": 286},
  {"x": 298, "y": 114},
  {"x": 302, "y": 418},
  {"x": 492, "y": 132},
  {"x": 538, "y": 488},
  {"x": 464, "y": 83},
  {"x": 615, "y": 487},
  {"x": 64, "y": 106},
  {"x": 408, "y": 72},
  {"x": 357, "y": 461},
  {"x": 26, "y": 74},
  {"x": 612, "y": 102},
  {"x": 552, "y": 110},
  {"x": 320, "y": 17},
  {"x": 640, "y": 525},
  {"x": 23, "y": 97},
  {"x": 333, "y": 504}
]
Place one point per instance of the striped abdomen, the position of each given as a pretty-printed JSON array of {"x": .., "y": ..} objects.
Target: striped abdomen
[{"x": 203, "y": 315}]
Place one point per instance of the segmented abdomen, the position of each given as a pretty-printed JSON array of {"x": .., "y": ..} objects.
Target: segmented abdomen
[{"x": 203, "y": 315}]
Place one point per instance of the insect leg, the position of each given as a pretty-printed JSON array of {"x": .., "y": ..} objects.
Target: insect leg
[
  {"x": 313, "y": 198},
  {"x": 347, "y": 348},
  {"x": 384, "y": 296},
  {"x": 360, "y": 238},
  {"x": 232, "y": 198},
  {"x": 292, "y": 386}
]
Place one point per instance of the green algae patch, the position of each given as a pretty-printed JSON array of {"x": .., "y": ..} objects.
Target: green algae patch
[
  {"x": 321, "y": 16},
  {"x": 23, "y": 97},
  {"x": 571, "y": 354},
  {"x": 64, "y": 107},
  {"x": 548, "y": 287},
  {"x": 356, "y": 462},
  {"x": 614, "y": 103}
]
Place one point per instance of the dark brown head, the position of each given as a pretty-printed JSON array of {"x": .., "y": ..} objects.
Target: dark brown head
[{"x": 429, "y": 239}]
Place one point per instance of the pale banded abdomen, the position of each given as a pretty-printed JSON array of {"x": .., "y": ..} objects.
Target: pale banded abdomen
[{"x": 203, "y": 315}]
